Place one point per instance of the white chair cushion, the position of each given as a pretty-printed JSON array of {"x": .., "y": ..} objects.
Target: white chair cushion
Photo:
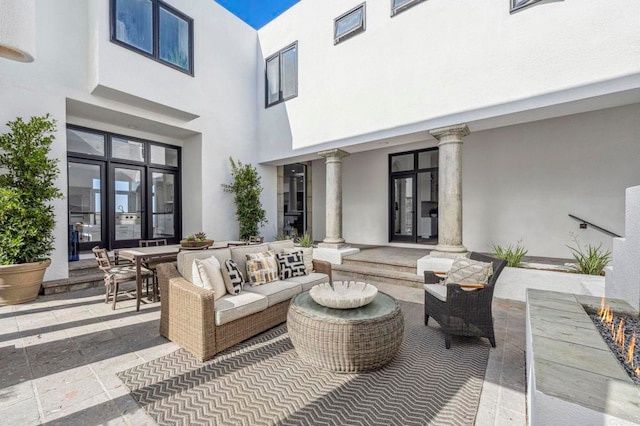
[
  {"x": 231, "y": 307},
  {"x": 207, "y": 274},
  {"x": 437, "y": 290},
  {"x": 308, "y": 281},
  {"x": 186, "y": 258},
  {"x": 124, "y": 272},
  {"x": 278, "y": 246},
  {"x": 276, "y": 291}
]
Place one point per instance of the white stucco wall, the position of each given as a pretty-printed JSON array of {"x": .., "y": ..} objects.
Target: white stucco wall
[
  {"x": 74, "y": 55},
  {"x": 440, "y": 63},
  {"x": 519, "y": 183}
]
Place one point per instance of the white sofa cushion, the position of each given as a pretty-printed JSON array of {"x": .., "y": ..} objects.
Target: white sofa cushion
[
  {"x": 239, "y": 254},
  {"x": 207, "y": 274},
  {"x": 308, "y": 281},
  {"x": 276, "y": 291},
  {"x": 437, "y": 290},
  {"x": 278, "y": 246},
  {"x": 186, "y": 258},
  {"x": 231, "y": 307}
]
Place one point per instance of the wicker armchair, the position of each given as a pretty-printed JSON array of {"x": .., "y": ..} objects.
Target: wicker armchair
[{"x": 464, "y": 312}]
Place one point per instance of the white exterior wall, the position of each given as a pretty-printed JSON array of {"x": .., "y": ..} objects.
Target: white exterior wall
[
  {"x": 519, "y": 183},
  {"x": 211, "y": 115},
  {"x": 443, "y": 63}
]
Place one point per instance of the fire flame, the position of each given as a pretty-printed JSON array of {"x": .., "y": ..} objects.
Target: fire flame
[{"x": 607, "y": 317}]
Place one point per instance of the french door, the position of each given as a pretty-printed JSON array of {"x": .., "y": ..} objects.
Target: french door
[
  {"x": 413, "y": 197},
  {"x": 142, "y": 205},
  {"x": 121, "y": 189}
]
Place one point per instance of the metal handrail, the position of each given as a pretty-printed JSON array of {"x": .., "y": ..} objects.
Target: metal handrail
[{"x": 599, "y": 228}]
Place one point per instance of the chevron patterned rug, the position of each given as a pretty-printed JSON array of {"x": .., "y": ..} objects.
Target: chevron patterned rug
[{"x": 263, "y": 382}]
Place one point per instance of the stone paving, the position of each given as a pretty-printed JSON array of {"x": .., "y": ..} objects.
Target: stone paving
[{"x": 59, "y": 356}]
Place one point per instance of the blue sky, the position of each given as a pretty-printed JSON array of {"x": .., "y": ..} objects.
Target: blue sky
[{"x": 257, "y": 12}]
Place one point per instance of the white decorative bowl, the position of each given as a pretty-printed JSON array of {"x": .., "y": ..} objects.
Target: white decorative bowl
[{"x": 343, "y": 294}]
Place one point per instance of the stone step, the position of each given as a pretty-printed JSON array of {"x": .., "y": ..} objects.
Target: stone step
[
  {"x": 80, "y": 282},
  {"x": 409, "y": 266},
  {"x": 366, "y": 273}
]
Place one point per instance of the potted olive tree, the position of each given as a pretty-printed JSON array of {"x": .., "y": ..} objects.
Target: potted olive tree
[
  {"x": 246, "y": 189},
  {"x": 27, "y": 219}
]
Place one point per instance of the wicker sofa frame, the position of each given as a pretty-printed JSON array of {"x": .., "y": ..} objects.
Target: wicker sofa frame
[
  {"x": 465, "y": 313},
  {"x": 187, "y": 315}
]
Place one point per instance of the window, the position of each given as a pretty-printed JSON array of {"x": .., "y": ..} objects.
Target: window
[
  {"x": 349, "y": 24},
  {"x": 521, "y": 4},
  {"x": 398, "y": 6},
  {"x": 282, "y": 75},
  {"x": 154, "y": 29}
]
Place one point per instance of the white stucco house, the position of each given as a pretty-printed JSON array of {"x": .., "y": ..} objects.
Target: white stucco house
[{"x": 479, "y": 121}]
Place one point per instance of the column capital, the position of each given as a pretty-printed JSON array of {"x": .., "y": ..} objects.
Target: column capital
[
  {"x": 453, "y": 133},
  {"x": 334, "y": 153}
]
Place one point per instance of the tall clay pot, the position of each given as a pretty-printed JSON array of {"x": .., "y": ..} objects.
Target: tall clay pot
[{"x": 21, "y": 283}]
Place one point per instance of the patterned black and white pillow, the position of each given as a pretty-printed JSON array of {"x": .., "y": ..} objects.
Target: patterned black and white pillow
[
  {"x": 233, "y": 278},
  {"x": 291, "y": 265}
]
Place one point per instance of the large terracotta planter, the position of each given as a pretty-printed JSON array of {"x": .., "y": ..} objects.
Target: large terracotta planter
[{"x": 21, "y": 283}]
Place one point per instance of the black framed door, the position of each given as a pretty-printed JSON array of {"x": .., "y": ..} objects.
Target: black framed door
[
  {"x": 162, "y": 198},
  {"x": 413, "y": 196},
  {"x": 403, "y": 214},
  {"x": 87, "y": 200},
  {"x": 127, "y": 206}
]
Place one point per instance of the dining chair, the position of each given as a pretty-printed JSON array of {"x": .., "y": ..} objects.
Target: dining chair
[
  {"x": 151, "y": 265},
  {"x": 114, "y": 275}
]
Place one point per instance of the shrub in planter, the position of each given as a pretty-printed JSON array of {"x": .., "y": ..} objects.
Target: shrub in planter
[{"x": 27, "y": 219}]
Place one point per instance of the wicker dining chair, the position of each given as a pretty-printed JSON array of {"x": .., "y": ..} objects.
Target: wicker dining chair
[
  {"x": 462, "y": 309},
  {"x": 114, "y": 275},
  {"x": 151, "y": 265}
]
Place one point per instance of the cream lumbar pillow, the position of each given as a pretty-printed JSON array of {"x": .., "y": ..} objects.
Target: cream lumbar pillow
[
  {"x": 307, "y": 256},
  {"x": 467, "y": 271},
  {"x": 207, "y": 274}
]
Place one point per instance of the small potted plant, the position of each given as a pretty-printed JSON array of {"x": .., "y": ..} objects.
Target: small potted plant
[
  {"x": 27, "y": 219},
  {"x": 196, "y": 241}
]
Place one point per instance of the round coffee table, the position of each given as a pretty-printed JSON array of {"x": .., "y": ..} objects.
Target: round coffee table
[{"x": 346, "y": 340}]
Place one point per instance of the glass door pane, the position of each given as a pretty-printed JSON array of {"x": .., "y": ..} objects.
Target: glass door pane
[
  {"x": 403, "y": 211},
  {"x": 163, "y": 195},
  {"x": 86, "y": 189},
  {"x": 127, "y": 208},
  {"x": 428, "y": 207}
]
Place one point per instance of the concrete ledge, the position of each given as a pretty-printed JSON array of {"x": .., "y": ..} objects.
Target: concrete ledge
[
  {"x": 572, "y": 376},
  {"x": 333, "y": 255}
]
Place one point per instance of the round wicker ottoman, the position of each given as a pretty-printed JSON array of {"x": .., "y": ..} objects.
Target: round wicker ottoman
[{"x": 346, "y": 340}]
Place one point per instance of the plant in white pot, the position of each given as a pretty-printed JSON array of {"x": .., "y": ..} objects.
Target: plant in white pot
[
  {"x": 306, "y": 244},
  {"x": 27, "y": 219}
]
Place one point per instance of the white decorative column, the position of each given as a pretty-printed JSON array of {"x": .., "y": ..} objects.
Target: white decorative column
[
  {"x": 450, "y": 190},
  {"x": 18, "y": 30},
  {"x": 334, "y": 158}
]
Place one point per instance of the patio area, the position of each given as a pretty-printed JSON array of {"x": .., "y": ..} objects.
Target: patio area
[{"x": 60, "y": 356}]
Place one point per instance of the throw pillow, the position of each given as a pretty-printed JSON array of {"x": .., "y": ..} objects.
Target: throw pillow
[
  {"x": 207, "y": 274},
  {"x": 307, "y": 256},
  {"x": 291, "y": 265},
  {"x": 467, "y": 271},
  {"x": 262, "y": 268},
  {"x": 232, "y": 276}
]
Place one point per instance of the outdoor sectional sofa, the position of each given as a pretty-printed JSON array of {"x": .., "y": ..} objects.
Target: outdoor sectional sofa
[{"x": 191, "y": 318}]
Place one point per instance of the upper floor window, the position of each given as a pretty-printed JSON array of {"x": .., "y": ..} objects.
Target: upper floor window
[
  {"x": 154, "y": 29},
  {"x": 282, "y": 75},
  {"x": 521, "y": 4},
  {"x": 349, "y": 24},
  {"x": 398, "y": 6}
]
